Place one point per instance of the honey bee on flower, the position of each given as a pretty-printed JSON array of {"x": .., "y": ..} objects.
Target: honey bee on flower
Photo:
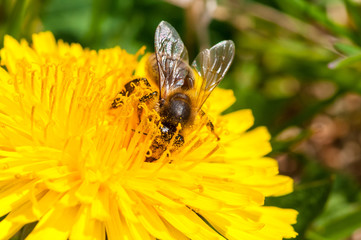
[{"x": 182, "y": 89}]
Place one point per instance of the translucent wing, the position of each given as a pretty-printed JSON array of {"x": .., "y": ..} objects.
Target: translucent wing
[
  {"x": 211, "y": 65},
  {"x": 172, "y": 59}
]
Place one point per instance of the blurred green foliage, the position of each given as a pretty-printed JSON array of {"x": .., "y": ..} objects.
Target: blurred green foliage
[{"x": 294, "y": 60}]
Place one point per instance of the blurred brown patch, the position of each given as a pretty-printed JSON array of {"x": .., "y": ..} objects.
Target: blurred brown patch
[{"x": 335, "y": 140}]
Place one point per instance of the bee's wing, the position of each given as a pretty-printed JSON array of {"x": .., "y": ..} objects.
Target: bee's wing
[
  {"x": 171, "y": 54},
  {"x": 211, "y": 65}
]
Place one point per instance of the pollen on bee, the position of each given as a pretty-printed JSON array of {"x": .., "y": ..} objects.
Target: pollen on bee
[{"x": 135, "y": 109}]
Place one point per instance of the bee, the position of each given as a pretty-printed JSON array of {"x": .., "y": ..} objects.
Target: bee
[{"x": 182, "y": 88}]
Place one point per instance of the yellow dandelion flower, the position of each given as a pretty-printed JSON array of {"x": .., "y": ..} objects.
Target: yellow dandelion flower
[{"x": 77, "y": 167}]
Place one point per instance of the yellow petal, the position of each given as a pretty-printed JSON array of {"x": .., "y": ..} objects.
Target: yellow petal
[
  {"x": 44, "y": 43},
  {"x": 234, "y": 194},
  {"x": 99, "y": 206},
  {"x": 149, "y": 218},
  {"x": 15, "y": 194},
  {"x": 271, "y": 186},
  {"x": 16, "y": 220},
  {"x": 234, "y": 225},
  {"x": 215, "y": 170},
  {"x": 11, "y": 52},
  {"x": 279, "y": 221},
  {"x": 27, "y": 213},
  {"x": 116, "y": 227},
  {"x": 85, "y": 227},
  {"x": 251, "y": 144},
  {"x": 175, "y": 233},
  {"x": 87, "y": 191},
  {"x": 56, "y": 224},
  {"x": 188, "y": 223},
  {"x": 218, "y": 101},
  {"x": 238, "y": 121}
]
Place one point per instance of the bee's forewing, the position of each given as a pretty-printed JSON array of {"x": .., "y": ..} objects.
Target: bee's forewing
[
  {"x": 171, "y": 54},
  {"x": 211, "y": 65}
]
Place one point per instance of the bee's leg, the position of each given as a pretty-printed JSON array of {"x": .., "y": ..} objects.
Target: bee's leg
[
  {"x": 130, "y": 86},
  {"x": 157, "y": 148},
  {"x": 145, "y": 99},
  {"x": 160, "y": 144},
  {"x": 178, "y": 141},
  {"x": 129, "y": 89},
  {"x": 116, "y": 103},
  {"x": 148, "y": 97},
  {"x": 210, "y": 125}
]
